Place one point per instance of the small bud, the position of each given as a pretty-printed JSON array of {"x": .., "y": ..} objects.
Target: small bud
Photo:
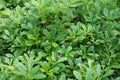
[
  {"x": 47, "y": 41},
  {"x": 65, "y": 23},
  {"x": 58, "y": 56},
  {"x": 28, "y": 52},
  {"x": 79, "y": 64},
  {"x": 119, "y": 22}
]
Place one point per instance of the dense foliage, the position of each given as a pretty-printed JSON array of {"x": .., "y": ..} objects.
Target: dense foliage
[{"x": 59, "y": 40}]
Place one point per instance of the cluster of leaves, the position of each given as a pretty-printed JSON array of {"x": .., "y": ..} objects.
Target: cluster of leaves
[{"x": 59, "y": 40}]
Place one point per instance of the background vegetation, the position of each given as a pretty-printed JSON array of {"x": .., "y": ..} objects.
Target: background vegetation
[{"x": 59, "y": 40}]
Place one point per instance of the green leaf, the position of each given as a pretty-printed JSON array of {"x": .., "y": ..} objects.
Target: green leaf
[
  {"x": 39, "y": 76},
  {"x": 54, "y": 44},
  {"x": 17, "y": 78},
  {"x": 69, "y": 48},
  {"x": 47, "y": 34},
  {"x": 34, "y": 70},
  {"x": 20, "y": 68},
  {"x": 7, "y": 60},
  {"x": 30, "y": 36},
  {"x": 62, "y": 59},
  {"x": 108, "y": 73},
  {"x": 70, "y": 62},
  {"x": 98, "y": 70},
  {"x": 26, "y": 57},
  {"x": 19, "y": 73},
  {"x": 54, "y": 56},
  {"x": 91, "y": 48},
  {"x": 7, "y": 32},
  {"x": 75, "y": 3},
  {"x": 60, "y": 37},
  {"x": 54, "y": 70},
  {"x": 77, "y": 75},
  {"x": 63, "y": 77},
  {"x": 118, "y": 78},
  {"x": 30, "y": 64},
  {"x": 8, "y": 67},
  {"x": 89, "y": 74},
  {"x": 9, "y": 55},
  {"x": 17, "y": 52},
  {"x": 5, "y": 37},
  {"x": 29, "y": 43},
  {"x": 105, "y": 12},
  {"x": 38, "y": 58}
]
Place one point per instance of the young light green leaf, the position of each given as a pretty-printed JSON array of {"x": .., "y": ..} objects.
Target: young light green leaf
[
  {"x": 98, "y": 70},
  {"x": 9, "y": 55},
  {"x": 77, "y": 75},
  {"x": 62, "y": 59},
  {"x": 54, "y": 44}
]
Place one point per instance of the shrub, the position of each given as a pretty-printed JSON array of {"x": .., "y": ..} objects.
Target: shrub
[{"x": 59, "y": 40}]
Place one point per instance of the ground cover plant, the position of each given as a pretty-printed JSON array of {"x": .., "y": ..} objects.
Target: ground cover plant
[{"x": 59, "y": 39}]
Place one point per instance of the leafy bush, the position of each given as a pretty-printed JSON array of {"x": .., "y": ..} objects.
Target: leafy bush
[{"x": 59, "y": 40}]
